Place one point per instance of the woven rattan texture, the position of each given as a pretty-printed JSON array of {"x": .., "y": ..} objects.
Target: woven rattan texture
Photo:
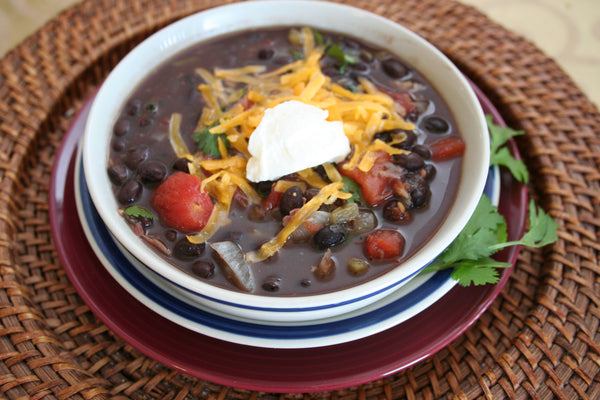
[{"x": 539, "y": 339}]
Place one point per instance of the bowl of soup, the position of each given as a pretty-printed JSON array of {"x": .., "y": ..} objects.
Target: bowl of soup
[{"x": 285, "y": 161}]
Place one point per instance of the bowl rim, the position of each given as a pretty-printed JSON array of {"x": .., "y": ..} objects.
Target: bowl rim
[{"x": 226, "y": 19}]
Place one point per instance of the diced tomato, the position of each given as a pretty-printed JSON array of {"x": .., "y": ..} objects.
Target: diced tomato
[
  {"x": 384, "y": 244},
  {"x": 402, "y": 98},
  {"x": 375, "y": 186},
  {"x": 272, "y": 200},
  {"x": 181, "y": 204},
  {"x": 447, "y": 148}
]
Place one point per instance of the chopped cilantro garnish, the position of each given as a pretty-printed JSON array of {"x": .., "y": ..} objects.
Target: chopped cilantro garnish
[
  {"x": 318, "y": 37},
  {"x": 469, "y": 255},
  {"x": 336, "y": 52},
  {"x": 350, "y": 186},
  {"x": 208, "y": 142},
  {"x": 137, "y": 212},
  {"x": 500, "y": 155},
  {"x": 296, "y": 55}
]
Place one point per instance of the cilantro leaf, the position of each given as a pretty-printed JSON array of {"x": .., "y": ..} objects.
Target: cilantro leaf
[
  {"x": 485, "y": 234},
  {"x": 137, "y": 212},
  {"x": 469, "y": 255},
  {"x": 542, "y": 230},
  {"x": 208, "y": 142},
  {"x": 337, "y": 53},
  {"x": 350, "y": 186},
  {"x": 296, "y": 55},
  {"x": 318, "y": 37},
  {"x": 480, "y": 272},
  {"x": 485, "y": 228},
  {"x": 500, "y": 155}
]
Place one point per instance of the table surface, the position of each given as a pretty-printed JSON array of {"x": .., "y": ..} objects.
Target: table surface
[
  {"x": 538, "y": 339},
  {"x": 565, "y": 30}
]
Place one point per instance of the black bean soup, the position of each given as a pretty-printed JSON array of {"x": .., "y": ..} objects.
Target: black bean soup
[{"x": 341, "y": 253}]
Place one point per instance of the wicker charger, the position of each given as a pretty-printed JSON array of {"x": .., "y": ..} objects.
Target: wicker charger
[{"x": 539, "y": 339}]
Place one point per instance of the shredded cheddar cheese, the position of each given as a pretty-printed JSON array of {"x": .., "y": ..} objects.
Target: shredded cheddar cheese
[{"x": 237, "y": 112}]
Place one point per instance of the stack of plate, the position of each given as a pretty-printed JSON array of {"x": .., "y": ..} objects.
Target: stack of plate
[{"x": 161, "y": 321}]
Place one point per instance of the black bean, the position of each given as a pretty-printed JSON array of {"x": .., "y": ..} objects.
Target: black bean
[
  {"x": 394, "y": 68},
  {"x": 203, "y": 269},
  {"x": 272, "y": 283},
  {"x": 117, "y": 174},
  {"x": 390, "y": 135},
  {"x": 395, "y": 211},
  {"x": 181, "y": 164},
  {"x": 435, "y": 124},
  {"x": 420, "y": 196},
  {"x": 122, "y": 127},
  {"x": 411, "y": 162},
  {"x": 305, "y": 282},
  {"x": 186, "y": 250},
  {"x": 292, "y": 198},
  {"x": 329, "y": 236},
  {"x": 266, "y": 54},
  {"x": 408, "y": 142},
  {"x": 134, "y": 107},
  {"x": 310, "y": 193},
  {"x": 430, "y": 172},
  {"x": 264, "y": 187},
  {"x": 136, "y": 155},
  {"x": 118, "y": 144},
  {"x": 129, "y": 192},
  {"x": 320, "y": 169},
  {"x": 422, "y": 150},
  {"x": 152, "y": 171}
]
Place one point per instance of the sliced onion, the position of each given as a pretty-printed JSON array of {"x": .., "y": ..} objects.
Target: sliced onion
[
  {"x": 232, "y": 261},
  {"x": 308, "y": 228}
]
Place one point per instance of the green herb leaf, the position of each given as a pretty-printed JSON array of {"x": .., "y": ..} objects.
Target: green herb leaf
[
  {"x": 296, "y": 55},
  {"x": 138, "y": 211},
  {"x": 469, "y": 255},
  {"x": 500, "y": 155},
  {"x": 480, "y": 272},
  {"x": 318, "y": 37},
  {"x": 336, "y": 52},
  {"x": 484, "y": 235},
  {"x": 350, "y": 186},
  {"x": 208, "y": 142},
  {"x": 542, "y": 230}
]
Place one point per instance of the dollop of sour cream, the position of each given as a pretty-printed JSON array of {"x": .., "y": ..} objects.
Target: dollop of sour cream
[{"x": 293, "y": 136}]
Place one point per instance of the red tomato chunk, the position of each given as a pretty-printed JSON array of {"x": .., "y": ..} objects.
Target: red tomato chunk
[
  {"x": 376, "y": 185},
  {"x": 384, "y": 244},
  {"x": 447, "y": 148},
  {"x": 181, "y": 204}
]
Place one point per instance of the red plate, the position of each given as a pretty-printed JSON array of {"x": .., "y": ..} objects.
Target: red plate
[{"x": 253, "y": 368}]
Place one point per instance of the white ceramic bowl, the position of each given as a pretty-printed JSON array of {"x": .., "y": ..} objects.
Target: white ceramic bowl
[{"x": 421, "y": 55}]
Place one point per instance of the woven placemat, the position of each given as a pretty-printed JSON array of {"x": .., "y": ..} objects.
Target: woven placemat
[{"x": 539, "y": 339}]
